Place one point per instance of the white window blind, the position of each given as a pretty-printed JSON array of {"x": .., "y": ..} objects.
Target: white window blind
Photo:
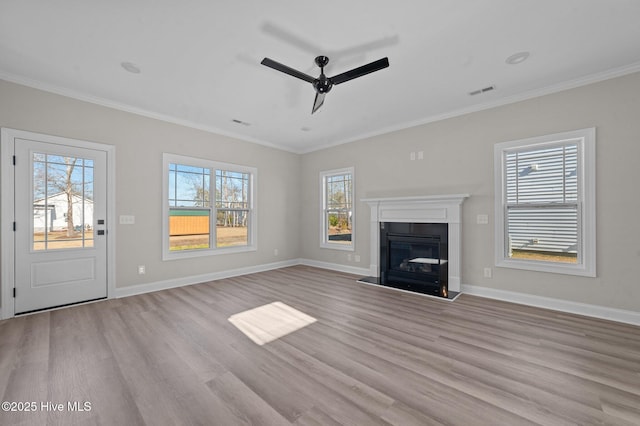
[
  {"x": 542, "y": 199},
  {"x": 545, "y": 203}
]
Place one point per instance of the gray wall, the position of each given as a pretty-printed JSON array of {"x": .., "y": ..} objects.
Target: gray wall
[
  {"x": 139, "y": 143},
  {"x": 459, "y": 159}
]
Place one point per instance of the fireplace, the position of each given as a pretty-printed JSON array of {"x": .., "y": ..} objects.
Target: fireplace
[
  {"x": 416, "y": 243},
  {"x": 414, "y": 256}
]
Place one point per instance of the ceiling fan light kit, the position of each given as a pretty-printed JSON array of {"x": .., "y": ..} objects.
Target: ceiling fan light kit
[{"x": 323, "y": 84}]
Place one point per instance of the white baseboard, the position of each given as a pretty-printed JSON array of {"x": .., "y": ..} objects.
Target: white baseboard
[
  {"x": 335, "y": 267},
  {"x": 603, "y": 312},
  {"x": 197, "y": 279}
]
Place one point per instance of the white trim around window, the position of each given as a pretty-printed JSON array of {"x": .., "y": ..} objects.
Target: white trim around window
[
  {"x": 338, "y": 206},
  {"x": 210, "y": 206},
  {"x": 547, "y": 205}
]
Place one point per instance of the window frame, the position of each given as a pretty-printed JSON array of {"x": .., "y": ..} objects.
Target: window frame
[
  {"x": 213, "y": 166},
  {"x": 586, "y": 202},
  {"x": 324, "y": 234}
]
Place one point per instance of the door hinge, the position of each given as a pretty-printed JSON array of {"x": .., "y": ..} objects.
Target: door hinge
[
  {"x": 14, "y": 160},
  {"x": 14, "y": 292},
  {"x": 14, "y": 226}
]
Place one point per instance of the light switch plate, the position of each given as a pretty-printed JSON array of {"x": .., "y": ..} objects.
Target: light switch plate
[
  {"x": 482, "y": 219},
  {"x": 127, "y": 219}
]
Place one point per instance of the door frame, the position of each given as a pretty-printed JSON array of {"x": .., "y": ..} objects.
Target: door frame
[{"x": 7, "y": 210}]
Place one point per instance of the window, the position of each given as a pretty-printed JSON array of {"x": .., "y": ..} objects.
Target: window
[
  {"x": 337, "y": 209},
  {"x": 232, "y": 208},
  {"x": 62, "y": 202},
  {"x": 198, "y": 224},
  {"x": 545, "y": 203}
]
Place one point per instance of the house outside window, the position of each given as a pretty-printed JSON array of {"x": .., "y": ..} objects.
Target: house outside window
[
  {"x": 209, "y": 207},
  {"x": 545, "y": 203},
  {"x": 337, "y": 218}
]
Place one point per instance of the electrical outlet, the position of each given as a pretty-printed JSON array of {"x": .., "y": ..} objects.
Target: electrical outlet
[
  {"x": 349, "y": 257},
  {"x": 412, "y": 156},
  {"x": 420, "y": 155},
  {"x": 482, "y": 219},
  {"x": 357, "y": 257},
  {"x": 141, "y": 270},
  {"x": 275, "y": 252},
  {"x": 488, "y": 273}
]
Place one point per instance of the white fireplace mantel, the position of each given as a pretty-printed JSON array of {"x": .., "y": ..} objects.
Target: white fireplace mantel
[{"x": 419, "y": 209}]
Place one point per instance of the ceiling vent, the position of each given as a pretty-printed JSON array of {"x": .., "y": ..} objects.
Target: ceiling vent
[{"x": 484, "y": 90}]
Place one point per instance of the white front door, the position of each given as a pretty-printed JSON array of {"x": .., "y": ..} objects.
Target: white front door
[{"x": 60, "y": 224}]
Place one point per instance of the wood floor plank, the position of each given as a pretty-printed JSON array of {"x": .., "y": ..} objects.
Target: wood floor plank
[
  {"x": 82, "y": 369},
  {"x": 364, "y": 397},
  {"x": 247, "y": 406},
  {"x": 419, "y": 391},
  {"x": 26, "y": 379},
  {"x": 374, "y": 356}
]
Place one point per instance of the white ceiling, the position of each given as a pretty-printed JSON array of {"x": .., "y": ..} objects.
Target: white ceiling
[{"x": 200, "y": 59}]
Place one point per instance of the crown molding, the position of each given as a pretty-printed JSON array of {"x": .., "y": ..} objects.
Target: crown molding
[{"x": 567, "y": 85}]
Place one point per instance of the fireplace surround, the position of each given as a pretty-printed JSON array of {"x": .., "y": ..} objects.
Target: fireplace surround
[{"x": 415, "y": 214}]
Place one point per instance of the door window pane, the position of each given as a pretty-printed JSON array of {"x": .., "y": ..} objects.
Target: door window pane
[{"x": 62, "y": 202}]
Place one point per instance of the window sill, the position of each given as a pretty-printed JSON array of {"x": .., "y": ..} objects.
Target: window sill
[
  {"x": 538, "y": 266},
  {"x": 342, "y": 247},
  {"x": 189, "y": 254}
]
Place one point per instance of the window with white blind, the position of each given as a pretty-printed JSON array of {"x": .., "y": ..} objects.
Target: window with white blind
[{"x": 545, "y": 203}]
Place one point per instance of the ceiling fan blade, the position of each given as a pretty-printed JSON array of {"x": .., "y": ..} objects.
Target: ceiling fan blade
[
  {"x": 360, "y": 71},
  {"x": 287, "y": 70},
  {"x": 317, "y": 103}
]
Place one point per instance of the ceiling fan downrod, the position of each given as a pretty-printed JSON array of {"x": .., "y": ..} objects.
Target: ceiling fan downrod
[{"x": 322, "y": 84}]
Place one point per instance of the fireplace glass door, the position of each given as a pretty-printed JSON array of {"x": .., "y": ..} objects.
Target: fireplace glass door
[{"x": 416, "y": 262}]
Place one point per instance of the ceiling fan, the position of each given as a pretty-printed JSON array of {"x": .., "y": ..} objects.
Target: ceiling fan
[{"x": 323, "y": 84}]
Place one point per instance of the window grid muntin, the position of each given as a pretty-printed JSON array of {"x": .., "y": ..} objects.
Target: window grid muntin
[
  {"x": 586, "y": 139},
  {"x": 514, "y": 171},
  {"x": 200, "y": 176},
  {"x": 579, "y": 145},
  {"x": 337, "y": 199},
  {"x": 81, "y": 167},
  {"x": 233, "y": 203},
  {"x": 247, "y": 213}
]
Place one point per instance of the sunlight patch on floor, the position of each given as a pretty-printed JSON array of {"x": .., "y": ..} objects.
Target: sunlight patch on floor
[{"x": 267, "y": 323}]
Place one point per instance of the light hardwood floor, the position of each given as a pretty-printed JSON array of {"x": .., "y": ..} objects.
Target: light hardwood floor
[{"x": 374, "y": 356}]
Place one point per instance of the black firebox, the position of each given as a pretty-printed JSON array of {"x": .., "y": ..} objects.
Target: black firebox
[{"x": 414, "y": 257}]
